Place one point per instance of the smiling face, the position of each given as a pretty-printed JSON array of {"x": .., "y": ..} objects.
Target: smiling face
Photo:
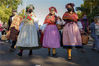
[{"x": 52, "y": 11}]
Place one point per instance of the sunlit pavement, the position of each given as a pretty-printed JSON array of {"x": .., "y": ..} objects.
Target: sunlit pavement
[{"x": 41, "y": 58}]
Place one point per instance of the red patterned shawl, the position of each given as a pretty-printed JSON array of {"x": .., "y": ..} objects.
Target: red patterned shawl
[
  {"x": 50, "y": 19},
  {"x": 73, "y": 16}
]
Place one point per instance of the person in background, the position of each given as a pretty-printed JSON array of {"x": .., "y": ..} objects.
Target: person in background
[
  {"x": 81, "y": 32},
  {"x": 1, "y": 29},
  {"x": 85, "y": 24},
  {"x": 11, "y": 18},
  {"x": 80, "y": 25},
  {"x": 71, "y": 33},
  {"x": 9, "y": 22},
  {"x": 94, "y": 27},
  {"x": 4, "y": 28},
  {"x": 51, "y": 37},
  {"x": 14, "y": 30}
]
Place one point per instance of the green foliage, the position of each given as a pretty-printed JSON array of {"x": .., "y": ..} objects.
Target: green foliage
[
  {"x": 90, "y": 8},
  {"x": 6, "y": 7},
  {"x": 79, "y": 13},
  {"x": 22, "y": 13}
]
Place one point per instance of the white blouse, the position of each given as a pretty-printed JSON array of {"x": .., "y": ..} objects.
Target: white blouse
[{"x": 79, "y": 24}]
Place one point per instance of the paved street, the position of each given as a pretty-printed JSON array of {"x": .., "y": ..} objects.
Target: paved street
[{"x": 40, "y": 57}]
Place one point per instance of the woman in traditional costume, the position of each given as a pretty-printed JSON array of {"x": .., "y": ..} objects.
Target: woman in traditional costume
[
  {"x": 28, "y": 38},
  {"x": 71, "y": 33},
  {"x": 51, "y": 37}
]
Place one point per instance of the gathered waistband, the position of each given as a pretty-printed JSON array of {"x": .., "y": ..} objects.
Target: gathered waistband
[{"x": 51, "y": 24}]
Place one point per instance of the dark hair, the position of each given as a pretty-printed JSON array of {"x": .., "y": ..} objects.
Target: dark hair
[
  {"x": 27, "y": 9},
  {"x": 71, "y": 4}
]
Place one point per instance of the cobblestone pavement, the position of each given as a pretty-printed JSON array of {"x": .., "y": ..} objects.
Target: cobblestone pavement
[{"x": 40, "y": 57}]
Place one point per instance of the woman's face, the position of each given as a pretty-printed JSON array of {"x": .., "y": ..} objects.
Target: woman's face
[
  {"x": 69, "y": 8},
  {"x": 52, "y": 11}
]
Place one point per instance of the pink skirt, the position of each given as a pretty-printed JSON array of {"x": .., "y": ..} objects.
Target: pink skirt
[
  {"x": 71, "y": 36},
  {"x": 51, "y": 37}
]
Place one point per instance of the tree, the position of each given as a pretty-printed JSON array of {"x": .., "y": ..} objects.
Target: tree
[
  {"x": 6, "y": 7},
  {"x": 22, "y": 13},
  {"x": 90, "y": 8}
]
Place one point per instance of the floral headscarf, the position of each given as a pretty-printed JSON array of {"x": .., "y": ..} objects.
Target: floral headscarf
[{"x": 54, "y": 8}]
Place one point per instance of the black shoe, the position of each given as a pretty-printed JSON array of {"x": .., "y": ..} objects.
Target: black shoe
[
  {"x": 19, "y": 54},
  {"x": 49, "y": 53},
  {"x": 30, "y": 53},
  {"x": 54, "y": 55}
]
